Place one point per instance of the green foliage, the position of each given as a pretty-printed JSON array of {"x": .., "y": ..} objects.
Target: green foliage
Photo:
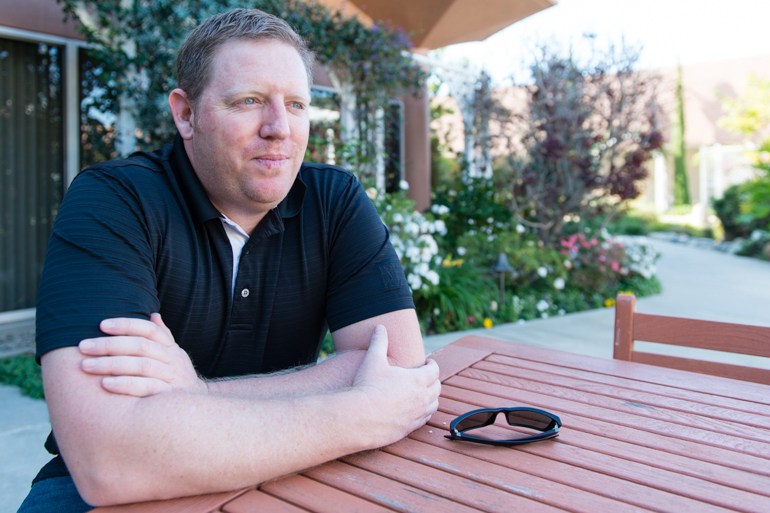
[
  {"x": 327, "y": 346},
  {"x": 546, "y": 280},
  {"x": 98, "y": 105},
  {"x": 744, "y": 209},
  {"x": 728, "y": 210},
  {"x": 476, "y": 205},
  {"x": 462, "y": 299},
  {"x": 443, "y": 169},
  {"x": 679, "y": 147},
  {"x": 640, "y": 286},
  {"x": 642, "y": 223},
  {"x": 749, "y": 113},
  {"x": 756, "y": 207},
  {"x": 630, "y": 224},
  {"x": 22, "y": 371},
  {"x": 758, "y": 245}
]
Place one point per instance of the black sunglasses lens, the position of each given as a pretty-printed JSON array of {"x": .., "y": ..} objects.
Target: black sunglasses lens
[
  {"x": 529, "y": 419},
  {"x": 479, "y": 419}
]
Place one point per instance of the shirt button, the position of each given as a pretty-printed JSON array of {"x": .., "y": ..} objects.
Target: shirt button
[{"x": 245, "y": 293}]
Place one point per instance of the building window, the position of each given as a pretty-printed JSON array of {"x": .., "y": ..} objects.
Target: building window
[
  {"x": 394, "y": 146},
  {"x": 31, "y": 163}
]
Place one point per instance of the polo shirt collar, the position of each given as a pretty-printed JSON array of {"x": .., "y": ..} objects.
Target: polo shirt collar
[{"x": 198, "y": 201}]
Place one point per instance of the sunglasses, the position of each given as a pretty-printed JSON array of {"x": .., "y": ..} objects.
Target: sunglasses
[{"x": 546, "y": 423}]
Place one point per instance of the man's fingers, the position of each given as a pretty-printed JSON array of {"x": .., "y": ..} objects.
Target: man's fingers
[
  {"x": 378, "y": 344},
  {"x": 127, "y": 366},
  {"x": 127, "y": 326},
  {"x": 432, "y": 369},
  {"x": 134, "y": 385},
  {"x": 158, "y": 321},
  {"x": 123, "y": 346},
  {"x": 153, "y": 329}
]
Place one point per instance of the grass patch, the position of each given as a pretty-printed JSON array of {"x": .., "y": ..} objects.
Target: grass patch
[{"x": 22, "y": 371}]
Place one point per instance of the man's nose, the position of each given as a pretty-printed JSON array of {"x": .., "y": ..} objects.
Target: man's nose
[{"x": 275, "y": 122}]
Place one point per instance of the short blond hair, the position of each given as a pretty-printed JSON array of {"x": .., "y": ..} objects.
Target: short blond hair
[{"x": 193, "y": 62}]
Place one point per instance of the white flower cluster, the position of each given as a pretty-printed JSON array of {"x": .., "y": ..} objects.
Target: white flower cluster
[
  {"x": 641, "y": 257},
  {"x": 412, "y": 237}
]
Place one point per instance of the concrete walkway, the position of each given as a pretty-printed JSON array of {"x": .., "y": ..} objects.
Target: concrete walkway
[{"x": 697, "y": 282}]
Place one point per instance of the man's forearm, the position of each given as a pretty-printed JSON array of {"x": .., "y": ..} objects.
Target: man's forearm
[
  {"x": 195, "y": 444},
  {"x": 122, "y": 448},
  {"x": 334, "y": 373}
]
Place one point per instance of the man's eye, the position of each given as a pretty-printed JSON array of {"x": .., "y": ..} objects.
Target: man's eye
[
  {"x": 249, "y": 101},
  {"x": 297, "y": 105}
]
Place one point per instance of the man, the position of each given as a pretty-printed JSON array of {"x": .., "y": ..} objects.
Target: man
[{"x": 250, "y": 256}]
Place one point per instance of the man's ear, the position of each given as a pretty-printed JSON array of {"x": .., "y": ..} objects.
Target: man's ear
[{"x": 181, "y": 110}]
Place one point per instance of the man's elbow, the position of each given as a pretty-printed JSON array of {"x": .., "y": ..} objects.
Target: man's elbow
[
  {"x": 95, "y": 489},
  {"x": 106, "y": 483}
]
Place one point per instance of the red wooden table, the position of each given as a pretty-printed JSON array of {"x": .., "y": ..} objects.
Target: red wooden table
[{"x": 635, "y": 438}]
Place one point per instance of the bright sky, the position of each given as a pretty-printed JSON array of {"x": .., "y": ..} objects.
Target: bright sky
[{"x": 668, "y": 31}]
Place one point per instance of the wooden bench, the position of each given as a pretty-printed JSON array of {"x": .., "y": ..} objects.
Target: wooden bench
[{"x": 631, "y": 326}]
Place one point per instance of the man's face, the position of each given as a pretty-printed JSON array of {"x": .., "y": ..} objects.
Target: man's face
[{"x": 250, "y": 127}]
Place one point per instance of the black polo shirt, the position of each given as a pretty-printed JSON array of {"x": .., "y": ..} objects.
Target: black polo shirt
[{"x": 139, "y": 235}]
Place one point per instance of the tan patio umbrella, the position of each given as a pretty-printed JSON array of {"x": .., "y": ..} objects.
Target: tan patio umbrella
[{"x": 432, "y": 24}]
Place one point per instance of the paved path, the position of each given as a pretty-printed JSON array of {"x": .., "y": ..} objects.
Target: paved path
[
  {"x": 24, "y": 425},
  {"x": 697, "y": 283}
]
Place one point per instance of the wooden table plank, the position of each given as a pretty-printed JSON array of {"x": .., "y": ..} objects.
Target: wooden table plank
[
  {"x": 724, "y": 387},
  {"x": 379, "y": 489},
  {"x": 517, "y": 478},
  {"x": 623, "y": 382},
  {"x": 461, "y": 399},
  {"x": 255, "y": 501},
  {"x": 602, "y": 445},
  {"x": 699, "y": 405},
  {"x": 455, "y": 488},
  {"x": 745, "y": 425},
  {"x": 457, "y": 358},
  {"x": 477, "y": 483},
  {"x": 611, "y": 476},
  {"x": 628, "y": 415},
  {"x": 318, "y": 497}
]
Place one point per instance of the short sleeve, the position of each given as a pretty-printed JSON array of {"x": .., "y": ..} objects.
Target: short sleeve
[
  {"x": 99, "y": 262},
  {"x": 365, "y": 275}
]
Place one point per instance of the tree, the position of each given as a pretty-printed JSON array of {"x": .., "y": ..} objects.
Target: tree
[
  {"x": 749, "y": 115},
  {"x": 587, "y": 133},
  {"x": 679, "y": 147}
]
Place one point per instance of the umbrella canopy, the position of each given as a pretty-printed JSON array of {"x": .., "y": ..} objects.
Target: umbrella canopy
[{"x": 432, "y": 24}]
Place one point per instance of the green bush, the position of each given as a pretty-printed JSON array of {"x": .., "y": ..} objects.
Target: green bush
[
  {"x": 464, "y": 296},
  {"x": 757, "y": 245},
  {"x": 633, "y": 224},
  {"x": 470, "y": 205},
  {"x": 22, "y": 371},
  {"x": 728, "y": 210}
]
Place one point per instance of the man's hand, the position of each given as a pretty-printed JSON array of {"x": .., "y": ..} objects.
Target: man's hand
[
  {"x": 400, "y": 400},
  {"x": 139, "y": 358}
]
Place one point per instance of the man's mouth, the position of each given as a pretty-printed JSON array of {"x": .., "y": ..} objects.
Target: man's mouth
[{"x": 272, "y": 161}]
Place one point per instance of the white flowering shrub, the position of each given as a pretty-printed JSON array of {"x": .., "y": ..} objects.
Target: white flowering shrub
[
  {"x": 449, "y": 256},
  {"x": 412, "y": 235},
  {"x": 641, "y": 258}
]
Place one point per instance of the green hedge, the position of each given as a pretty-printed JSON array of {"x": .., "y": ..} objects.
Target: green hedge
[{"x": 22, "y": 371}]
